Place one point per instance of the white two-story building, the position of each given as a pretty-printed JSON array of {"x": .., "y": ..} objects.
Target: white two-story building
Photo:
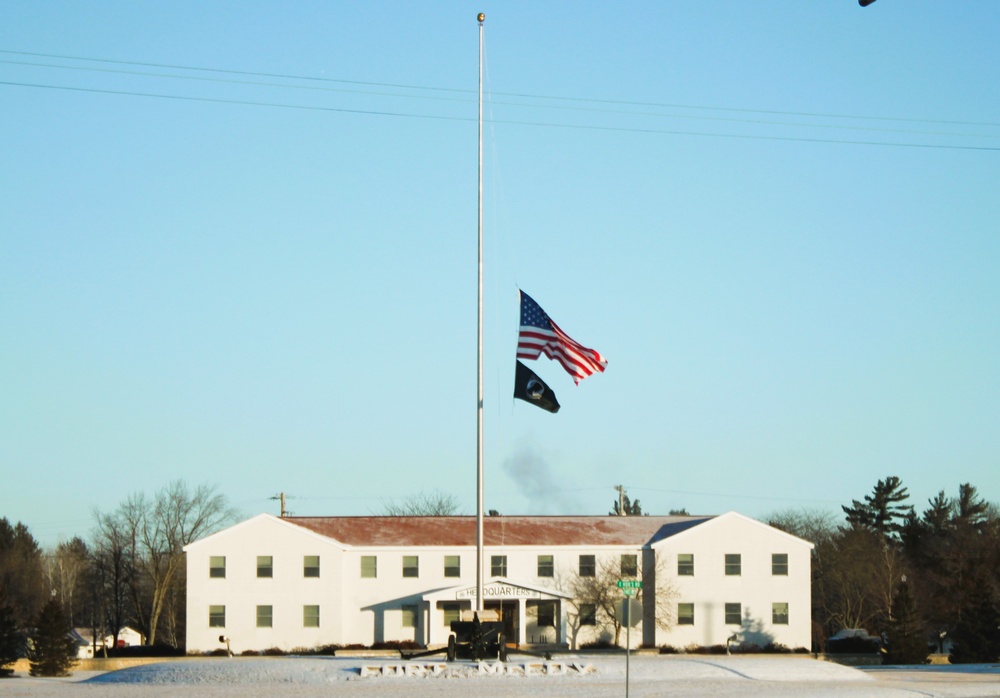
[{"x": 304, "y": 582}]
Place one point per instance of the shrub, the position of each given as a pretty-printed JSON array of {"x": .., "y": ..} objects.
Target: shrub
[
  {"x": 775, "y": 648},
  {"x": 701, "y": 649},
  {"x": 273, "y": 652},
  {"x": 397, "y": 645},
  {"x": 145, "y": 651},
  {"x": 669, "y": 649},
  {"x": 319, "y": 651},
  {"x": 599, "y": 645}
]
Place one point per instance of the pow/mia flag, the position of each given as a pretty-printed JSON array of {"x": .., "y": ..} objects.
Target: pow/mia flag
[{"x": 531, "y": 388}]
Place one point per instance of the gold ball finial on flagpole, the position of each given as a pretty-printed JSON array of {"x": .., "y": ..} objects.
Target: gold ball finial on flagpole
[{"x": 481, "y": 17}]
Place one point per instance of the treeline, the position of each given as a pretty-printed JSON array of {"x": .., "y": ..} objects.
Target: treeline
[
  {"x": 129, "y": 572},
  {"x": 920, "y": 581}
]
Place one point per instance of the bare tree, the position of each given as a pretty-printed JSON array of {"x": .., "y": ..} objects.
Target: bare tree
[
  {"x": 814, "y": 525},
  {"x": 855, "y": 574},
  {"x": 601, "y": 591},
  {"x": 153, "y": 534},
  {"x": 435, "y": 503},
  {"x": 113, "y": 575},
  {"x": 67, "y": 569}
]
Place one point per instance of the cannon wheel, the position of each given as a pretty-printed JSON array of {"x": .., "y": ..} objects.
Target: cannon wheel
[
  {"x": 452, "y": 653},
  {"x": 503, "y": 647}
]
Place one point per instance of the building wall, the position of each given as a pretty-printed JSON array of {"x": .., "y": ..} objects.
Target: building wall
[
  {"x": 288, "y": 591},
  {"x": 756, "y": 589},
  {"x": 372, "y": 609},
  {"x": 355, "y": 609}
]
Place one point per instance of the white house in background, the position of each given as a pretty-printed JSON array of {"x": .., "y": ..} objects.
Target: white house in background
[
  {"x": 85, "y": 645},
  {"x": 302, "y": 582}
]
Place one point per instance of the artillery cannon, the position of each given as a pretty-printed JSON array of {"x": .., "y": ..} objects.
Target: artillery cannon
[{"x": 476, "y": 640}]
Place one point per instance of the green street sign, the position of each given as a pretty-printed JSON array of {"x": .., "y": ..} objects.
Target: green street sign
[{"x": 629, "y": 584}]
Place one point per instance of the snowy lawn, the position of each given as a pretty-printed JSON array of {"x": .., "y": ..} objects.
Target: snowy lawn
[{"x": 578, "y": 676}]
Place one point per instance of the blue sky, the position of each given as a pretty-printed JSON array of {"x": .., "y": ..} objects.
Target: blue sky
[{"x": 238, "y": 247}]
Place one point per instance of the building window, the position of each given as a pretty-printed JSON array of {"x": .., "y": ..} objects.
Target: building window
[
  {"x": 216, "y": 616},
  {"x": 451, "y": 612},
  {"x": 498, "y": 566},
  {"x": 217, "y": 566},
  {"x": 685, "y": 614},
  {"x": 546, "y": 568},
  {"x": 369, "y": 567},
  {"x": 547, "y": 614},
  {"x": 685, "y": 564},
  {"x": 734, "y": 565},
  {"x": 779, "y": 564},
  {"x": 265, "y": 566},
  {"x": 264, "y": 616},
  {"x": 310, "y": 566},
  {"x": 630, "y": 565},
  {"x": 734, "y": 614},
  {"x": 452, "y": 566},
  {"x": 310, "y": 616},
  {"x": 409, "y": 616},
  {"x": 411, "y": 566},
  {"x": 588, "y": 566},
  {"x": 779, "y": 613},
  {"x": 588, "y": 614}
]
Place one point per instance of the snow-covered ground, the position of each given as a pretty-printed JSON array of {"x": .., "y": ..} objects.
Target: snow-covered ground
[{"x": 579, "y": 676}]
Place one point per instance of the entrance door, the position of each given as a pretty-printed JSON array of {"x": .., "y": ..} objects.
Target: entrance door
[{"x": 508, "y": 614}]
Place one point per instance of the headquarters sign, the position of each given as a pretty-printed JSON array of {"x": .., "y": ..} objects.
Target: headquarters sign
[{"x": 500, "y": 590}]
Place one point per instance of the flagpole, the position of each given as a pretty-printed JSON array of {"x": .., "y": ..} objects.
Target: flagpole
[{"x": 479, "y": 409}]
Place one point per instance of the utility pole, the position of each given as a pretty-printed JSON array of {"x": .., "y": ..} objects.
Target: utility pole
[{"x": 281, "y": 496}]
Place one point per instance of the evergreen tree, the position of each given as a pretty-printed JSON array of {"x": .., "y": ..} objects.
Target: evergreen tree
[
  {"x": 883, "y": 510},
  {"x": 21, "y": 580},
  {"x": 10, "y": 639},
  {"x": 907, "y": 639},
  {"x": 977, "y": 638},
  {"x": 51, "y": 650},
  {"x": 954, "y": 551}
]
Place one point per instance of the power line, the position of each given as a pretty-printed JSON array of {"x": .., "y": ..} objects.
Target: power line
[
  {"x": 247, "y": 103},
  {"x": 471, "y": 93},
  {"x": 592, "y": 110},
  {"x": 618, "y": 129}
]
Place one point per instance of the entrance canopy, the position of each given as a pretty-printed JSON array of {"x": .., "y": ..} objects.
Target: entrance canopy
[{"x": 531, "y": 614}]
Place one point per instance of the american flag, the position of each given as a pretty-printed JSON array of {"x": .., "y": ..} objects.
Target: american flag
[{"x": 539, "y": 334}]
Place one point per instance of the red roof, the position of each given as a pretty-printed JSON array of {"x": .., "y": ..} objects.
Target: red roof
[{"x": 366, "y": 531}]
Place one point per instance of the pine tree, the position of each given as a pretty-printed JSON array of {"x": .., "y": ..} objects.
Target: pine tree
[
  {"x": 907, "y": 639},
  {"x": 10, "y": 639},
  {"x": 883, "y": 510},
  {"x": 51, "y": 650}
]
